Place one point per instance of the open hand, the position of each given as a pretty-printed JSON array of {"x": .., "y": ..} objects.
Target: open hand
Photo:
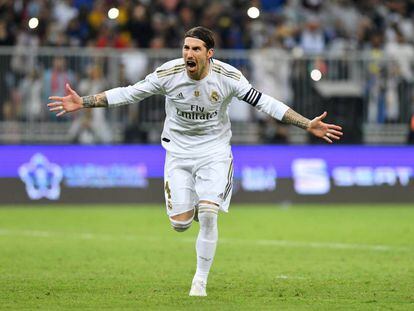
[
  {"x": 328, "y": 132},
  {"x": 71, "y": 102}
]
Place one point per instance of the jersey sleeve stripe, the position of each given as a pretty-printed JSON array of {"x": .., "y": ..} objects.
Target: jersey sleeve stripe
[
  {"x": 165, "y": 72},
  {"x": 168, "y": 73},
  {"x": 227, "y": 75},
  {"x": 161, "y": 72},
  {"x": 252, "y": 97},
  {"x": 174, "y": 67},
  {"x": 230, "y": 73},
  {"x": 237, "y": 75}
]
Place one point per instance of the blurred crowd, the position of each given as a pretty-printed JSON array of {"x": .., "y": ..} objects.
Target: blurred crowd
[
  {"x": 314, "y": 25},
  {"x": 379, "y": 28}
]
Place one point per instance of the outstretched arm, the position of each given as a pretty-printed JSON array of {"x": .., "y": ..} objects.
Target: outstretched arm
[
  {"x": 73, "y": 102},
  {"x": 278, "y": 110},
  {"x": 326, "y": 131}
]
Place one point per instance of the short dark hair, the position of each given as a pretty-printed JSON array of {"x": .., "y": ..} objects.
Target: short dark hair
[{"x": 202, "y": 33}]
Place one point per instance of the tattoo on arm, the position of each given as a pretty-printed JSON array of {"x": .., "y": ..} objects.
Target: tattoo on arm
[
  {"x": 93, "y": 101},
  {"x": 292, "y": 117}
]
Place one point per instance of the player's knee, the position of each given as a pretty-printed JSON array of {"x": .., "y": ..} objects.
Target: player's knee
[{"x": 182, "y": 222}]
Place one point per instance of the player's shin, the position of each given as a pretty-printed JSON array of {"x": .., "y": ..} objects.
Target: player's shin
[{"x": 206, "y": 240}]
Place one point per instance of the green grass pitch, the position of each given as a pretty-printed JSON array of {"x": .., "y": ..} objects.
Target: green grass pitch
[{"x": 355, "y": 257}]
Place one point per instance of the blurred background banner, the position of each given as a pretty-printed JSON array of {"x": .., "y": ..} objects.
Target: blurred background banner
[{"x": 267, "y": 174}]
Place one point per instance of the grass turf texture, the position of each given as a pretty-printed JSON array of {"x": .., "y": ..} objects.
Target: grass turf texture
[{"x": 298, "y": 258}]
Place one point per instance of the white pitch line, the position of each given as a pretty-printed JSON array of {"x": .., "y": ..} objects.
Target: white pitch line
[
  {"x": 285, "y": 277},
  {"x": 328, "y": 245},
  {"x": 277, "y": 243}
]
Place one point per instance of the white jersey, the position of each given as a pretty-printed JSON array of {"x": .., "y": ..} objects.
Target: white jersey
[{"x": 197, "y": 120}]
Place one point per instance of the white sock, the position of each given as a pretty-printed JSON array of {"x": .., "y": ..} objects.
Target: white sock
[{"x": 206, "y": 243}]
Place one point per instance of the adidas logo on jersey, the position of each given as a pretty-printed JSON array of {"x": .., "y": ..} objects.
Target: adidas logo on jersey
[{"x": 180, "y": 96}]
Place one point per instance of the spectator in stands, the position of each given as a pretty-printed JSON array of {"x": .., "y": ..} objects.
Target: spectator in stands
[
  {"x": 64, "y": 12},
  {"x": 312, "y": 39},
  {"x": 186, "y": 18},
  {"x": 6, "y": 39},
  {"x": 401, "y": 54},
  {"x": 273, "y": 131},
  {"x": 346, "y": 16},
  {"x": 56, "y": 77},
  {"x": 97, "y": 16},
  {"x": 376, "y": 79},
  {"x": 139, "y": 26},
  {"x": 81, "y": 130},
  {"x": 134, "y": 132},
  {"x": 411, "y": 130},
  {"x": 24, "y": 61},
  {"x": 95, "y": 122},
  {"x": 30, "y": 89},
  {"x": 135, "y": 63},
  {"x": 276, "y": 83}
]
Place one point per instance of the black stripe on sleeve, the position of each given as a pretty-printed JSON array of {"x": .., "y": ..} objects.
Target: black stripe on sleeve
[{"x": 252, "y": 97}]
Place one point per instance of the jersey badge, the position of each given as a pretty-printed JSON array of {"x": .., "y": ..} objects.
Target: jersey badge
[
  {"x": 196, "y": 93},
  {"x": 214, "y": 97}
]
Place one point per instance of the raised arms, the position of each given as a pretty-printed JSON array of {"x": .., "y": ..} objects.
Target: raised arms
[
  {"x": 282, "y": 112},
  {"x": 327, "y": 132},
  {"x": 73, "y": 102}
]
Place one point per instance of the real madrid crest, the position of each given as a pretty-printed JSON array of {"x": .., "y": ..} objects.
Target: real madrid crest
[
  {"x": 196, "y": 93},
  {"x": 214, "y": 97}
]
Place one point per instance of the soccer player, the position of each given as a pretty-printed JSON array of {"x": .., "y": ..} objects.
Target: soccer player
[{"x": 199, "y": 165}]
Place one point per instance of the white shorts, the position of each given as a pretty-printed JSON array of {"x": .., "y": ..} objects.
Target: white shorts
[{"x": 190, "y": 180}]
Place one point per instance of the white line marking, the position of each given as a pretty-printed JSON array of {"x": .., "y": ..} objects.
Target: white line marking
[
  {"x": 285, "y": 277},
  {"x": 277, "y": 243},
  {"x": 326, "y": 245}
]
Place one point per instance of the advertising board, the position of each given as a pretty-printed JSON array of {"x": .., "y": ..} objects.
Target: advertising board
[{"x": 134, "y": 174}]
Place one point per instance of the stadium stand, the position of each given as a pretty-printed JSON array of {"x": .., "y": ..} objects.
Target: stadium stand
[{"x": 362, "y": 49}]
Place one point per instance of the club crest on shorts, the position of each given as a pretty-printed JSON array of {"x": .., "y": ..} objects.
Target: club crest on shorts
[
  {"x": 196, "y": 93},
  {"x": 214, "y": 97}
]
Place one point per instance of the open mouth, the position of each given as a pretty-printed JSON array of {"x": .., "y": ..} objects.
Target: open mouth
[{"x": 191, "y": 64}]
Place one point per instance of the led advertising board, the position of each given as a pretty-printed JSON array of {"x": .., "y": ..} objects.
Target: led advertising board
[{"x": 134, "y": 174}]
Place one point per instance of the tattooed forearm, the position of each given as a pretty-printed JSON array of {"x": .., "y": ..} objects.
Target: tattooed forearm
[
  {"x": 93, "y": 101},
  {"x": 292, "y": 117}
]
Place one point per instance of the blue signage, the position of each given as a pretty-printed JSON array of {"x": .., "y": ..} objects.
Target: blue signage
[{"x": 314, "y": 170}]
